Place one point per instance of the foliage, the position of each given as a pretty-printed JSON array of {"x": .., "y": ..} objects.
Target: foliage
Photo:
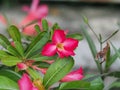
[{"x": 44, "y": 57}]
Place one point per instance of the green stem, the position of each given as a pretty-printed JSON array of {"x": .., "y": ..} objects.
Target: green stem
[
  {"x": 93, "y": 32},
  {"x": 110, "y": 36}
]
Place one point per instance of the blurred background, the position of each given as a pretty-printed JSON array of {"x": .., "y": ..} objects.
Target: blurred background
[{"x": 103, "y": 15}]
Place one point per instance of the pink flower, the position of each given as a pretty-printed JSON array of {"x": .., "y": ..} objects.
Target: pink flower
[
  {"x": 73, "y": 76},
  {"x": 35, "y": 12},
  {"x": 22, "y": 66},
  {"x": 2, "y": 19},
  {"x": 60, "y": 44},
  {"x": 25, "y": 83}
]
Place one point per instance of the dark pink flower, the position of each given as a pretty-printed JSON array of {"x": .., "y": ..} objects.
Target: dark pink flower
[
  {"x": 60, "y": 44},
  {"x": 25, "y": 83},
  {"x": 22, "y": 66},
  {"x": 73, "y": 76}
]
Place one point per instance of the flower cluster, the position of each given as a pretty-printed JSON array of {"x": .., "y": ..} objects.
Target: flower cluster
[{"x": 49, "y": 47}]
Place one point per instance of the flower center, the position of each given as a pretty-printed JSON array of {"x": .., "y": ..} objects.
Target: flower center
[
  {"x": 37, "y": 83},
  {"x": 60, "y": 46}
]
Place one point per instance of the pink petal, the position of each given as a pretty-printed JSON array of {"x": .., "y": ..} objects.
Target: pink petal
[
  {"x": 29, "y": 18},
  {"x": 2, "y": 19},
  {"x": 43, "y": 70},
  {"x": 25, "y": 8},
  {"x": 58, "y": 36},
  {"x": 42, "y": 11},
  {"x": 73, "y": 76},
  {"x": 49, "y": 61},
  {"x": 34, "y": 5},
  {"x": 25, "y": 83},
  {"x": 49, "y": 49},
  {"x": 65, "y": 53},
  {"x": 22, "y": 66},
  {"x": 30, "y": 31},
  {"x": 70, "y": 44},
  {"x": 13, "y": 44}
]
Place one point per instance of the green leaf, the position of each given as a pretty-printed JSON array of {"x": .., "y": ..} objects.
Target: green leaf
[
  {"x": 76, "y": 36},
  {"x": 3, "y": 54},
  {"x": 57, "y": 71},
  {"x": 14, "y": 33},
  {"x": 13, "y": 51},
  {"x": 113, "y": 58},
  {"x": 4, "y": 41},
  {"x": 10, "y": 74},
  {"x": 34, "y": 74},
  {"x": 85, "y": 19},
  {"x": 10, "y": 60},
  {"x": 19, "y": 48},
  {"x": 90, "y": 42},
  {"x": 37, "y": 44},
  {"x": 75, "y": 85},
  {"x": 42, "y": 58},
  {"x": 92, "y": 47},
  {"x": 115, "y": 85},
  {"x": 115, "y": 74},
  {"x": 118, "y": 53},
  {"x": 7, "y": 84},
  {"x": 55, "y": 26},
  {"x": 37, "y": 28},
  {"x": 96, "y": 83},
  {"x": 45, "y": 25},
  {"x": 41, "y": 64}
]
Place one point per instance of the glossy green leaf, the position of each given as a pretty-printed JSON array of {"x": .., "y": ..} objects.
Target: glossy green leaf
[
  {"x": 10, "y": 74},
  {"x": 4, "y": 41},
  {"x": 76, "y": 36},
  {"x": 37, "y": 28},
  {"x": 13, "y": 51},
  {"x": 3, "y": 54},
  {"x": 14, "y": 33},
  {"x": 7, "y": 84},
  {"x": 19, "y": 48},
  {"x": 10, "y": 60},
  {"x": 75, "y": 85},
  {"x": 34, "y": 74},
  {"x": 45, "y": 25},
  {"x": 57, "y": 71},
  {"x": 42, "y": 58},
  {"x": 37, "y": 44}
]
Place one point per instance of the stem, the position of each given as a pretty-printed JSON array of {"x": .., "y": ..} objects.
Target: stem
[
  {"x": 93, "y": 32},
  {"x": 110, "y": 36},
  {"x": 28, "y": 24}
]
